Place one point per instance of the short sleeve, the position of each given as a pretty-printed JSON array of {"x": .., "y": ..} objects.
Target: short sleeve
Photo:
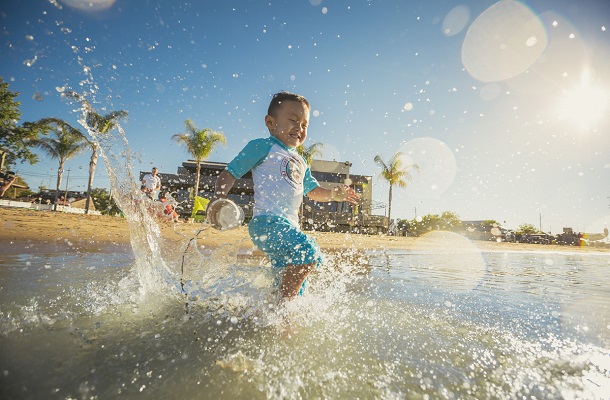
[
  {"x": 249, "y": 157},
  {"x": 309, "y": 182}
]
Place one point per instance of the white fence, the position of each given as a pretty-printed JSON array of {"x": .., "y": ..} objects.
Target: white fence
[{"x": 45, "y": 207}]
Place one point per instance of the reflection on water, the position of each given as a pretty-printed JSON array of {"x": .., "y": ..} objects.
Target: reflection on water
[{"x": 381, "y": 325}]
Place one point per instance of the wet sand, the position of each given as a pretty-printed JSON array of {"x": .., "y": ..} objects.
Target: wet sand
[{"x": 23, "y": 230}]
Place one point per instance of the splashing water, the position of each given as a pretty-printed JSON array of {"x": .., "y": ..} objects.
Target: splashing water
[{"x": 440, "y": 321}]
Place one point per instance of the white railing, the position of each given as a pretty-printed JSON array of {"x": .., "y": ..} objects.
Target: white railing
[{"x": 45, "y": 207}]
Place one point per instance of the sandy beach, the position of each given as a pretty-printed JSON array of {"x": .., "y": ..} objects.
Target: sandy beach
[{"x": 23, "y": 230}]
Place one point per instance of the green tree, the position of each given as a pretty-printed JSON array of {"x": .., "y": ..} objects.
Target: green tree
[
  {"x": 446, "y": 221},
  {"x": 15, "y": 142},
  {"x": 403, "y": 225},
  {"x": 309, "y": 152},
  {"x": 449, "y": 221},
  {"x": 199, "y": 144},
  {"x": 65, "y": 143},
  {"x": 527, "y": 229},
  {"x": 395, "y": 174},
  {"x": 98, "y": 123},
  {"x": 490, "y": 223},
  {"x": 104, "y": 202}
]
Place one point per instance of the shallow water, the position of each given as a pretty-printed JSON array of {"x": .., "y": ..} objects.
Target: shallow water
[{"x": 402, "y": 324}]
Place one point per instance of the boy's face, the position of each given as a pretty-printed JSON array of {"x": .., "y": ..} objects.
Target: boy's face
[{"x": 290, "y": 122}]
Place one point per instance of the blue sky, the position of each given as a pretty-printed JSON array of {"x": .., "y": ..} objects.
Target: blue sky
[{"x": 504, "y": 105}]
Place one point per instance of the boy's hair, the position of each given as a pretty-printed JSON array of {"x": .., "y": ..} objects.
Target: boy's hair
[{"x": 280, "y": 97}]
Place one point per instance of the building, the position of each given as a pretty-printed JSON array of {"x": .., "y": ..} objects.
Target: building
[{"x": 333, "y": 216}]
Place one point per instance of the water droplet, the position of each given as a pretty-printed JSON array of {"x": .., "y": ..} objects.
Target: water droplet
[{"x": 531, "y": 41}]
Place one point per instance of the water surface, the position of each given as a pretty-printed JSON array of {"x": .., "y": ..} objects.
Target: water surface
[{"x": 400, "y": 324}]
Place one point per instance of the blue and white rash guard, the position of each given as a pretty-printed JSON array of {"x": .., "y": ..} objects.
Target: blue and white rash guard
[{"x": 281, "y": 177}]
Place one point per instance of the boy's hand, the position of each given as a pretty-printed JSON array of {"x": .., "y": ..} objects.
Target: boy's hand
[{"x": 344, "y": 193}]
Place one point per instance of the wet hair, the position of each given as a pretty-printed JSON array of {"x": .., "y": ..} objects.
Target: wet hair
[{"x": 280, "y": 97}]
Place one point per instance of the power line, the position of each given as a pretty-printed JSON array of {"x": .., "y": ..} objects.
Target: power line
[{"x": 41, "y": 175}]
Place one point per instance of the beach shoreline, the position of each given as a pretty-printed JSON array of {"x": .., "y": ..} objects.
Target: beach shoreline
[{"x": 33, "y": 231}]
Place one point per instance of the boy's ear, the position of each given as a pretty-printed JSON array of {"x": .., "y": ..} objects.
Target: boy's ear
[{"x": 269, "y": 122}]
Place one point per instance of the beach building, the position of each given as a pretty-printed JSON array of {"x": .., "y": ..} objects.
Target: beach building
[{"x": 336, "y": 217}]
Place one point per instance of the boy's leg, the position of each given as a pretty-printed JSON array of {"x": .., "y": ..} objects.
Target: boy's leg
[
  {"x": 291, "y": 252},
  {"x": 293, "y": 278}
]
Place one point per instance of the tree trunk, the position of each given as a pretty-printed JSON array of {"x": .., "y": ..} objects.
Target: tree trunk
[
  {"x": 197, "y": 180},
  {"x": 92, "y": 166},
  {"x": 390, "y": 207},
  {"x": 60, "y": 171}
]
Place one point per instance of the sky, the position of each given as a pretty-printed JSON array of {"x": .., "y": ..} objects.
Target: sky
[{"x": 504, "y": 106}]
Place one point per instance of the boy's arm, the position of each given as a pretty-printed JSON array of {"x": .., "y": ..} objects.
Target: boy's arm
[
  {"x": 338, "y": 193},
  {"x": 224, "y": 183}
]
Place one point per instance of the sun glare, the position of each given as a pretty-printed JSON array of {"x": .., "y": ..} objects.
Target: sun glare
[{"x": 584, "y": 105}]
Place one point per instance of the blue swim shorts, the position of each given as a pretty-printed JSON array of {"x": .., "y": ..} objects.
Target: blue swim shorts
[{"x": 283, "y": 242}]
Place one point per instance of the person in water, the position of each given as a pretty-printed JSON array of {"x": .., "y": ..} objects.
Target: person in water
[
  {"x": 168, "y": 211},
  {"x": 281, "y": 178}
]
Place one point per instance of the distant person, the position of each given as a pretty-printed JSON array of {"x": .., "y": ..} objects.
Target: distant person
[
  {"x": 168, "y": 209},
  {"x": 281, "y": 178},
  {"x": 151, "y": 183}
]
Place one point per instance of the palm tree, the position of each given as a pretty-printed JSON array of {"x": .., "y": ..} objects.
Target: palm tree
[
  {"x": 65, "y": 143},
  {"x": 199, "y": 144},
  {"x": 394, "y": 172},
  {"x": 309, "y": 152},
  {"x": 100, "y": 124}
]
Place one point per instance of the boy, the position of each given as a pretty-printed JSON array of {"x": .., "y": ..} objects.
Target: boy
[{"x": 281, "y": 177}]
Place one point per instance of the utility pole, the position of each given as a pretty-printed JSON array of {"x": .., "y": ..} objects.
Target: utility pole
[{"x": 539, "y": 214}]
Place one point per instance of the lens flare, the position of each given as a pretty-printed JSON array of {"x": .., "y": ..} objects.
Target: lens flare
[
  {"x": 89, "y": 5},
  {"x": 504, "y": 41},
  {"x": 452, "y": 263},
  {"x": 456, "y": 20},
  {"x": 437, "y": 166},
  {"x": 584, "y": 105}
]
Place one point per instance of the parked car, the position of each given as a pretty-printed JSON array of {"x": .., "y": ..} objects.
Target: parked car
[{"x": 537, "y": 238}]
